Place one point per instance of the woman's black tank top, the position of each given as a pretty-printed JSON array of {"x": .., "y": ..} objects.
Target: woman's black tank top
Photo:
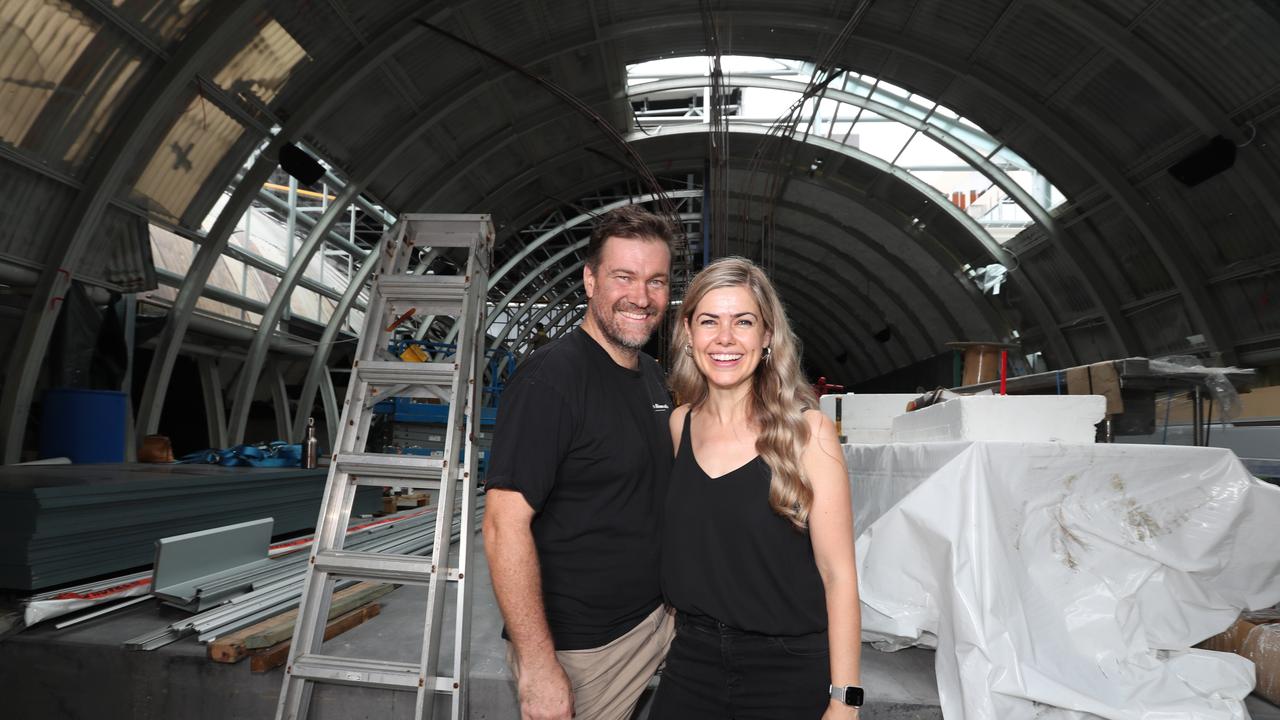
[{"x": 727, "y": 556}]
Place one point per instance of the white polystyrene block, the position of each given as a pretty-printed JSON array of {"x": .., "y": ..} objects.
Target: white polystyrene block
[
  {"x": 1015, "y": 418},
  {"x": 872, "y": 436},
  {"x": 874, "y": 411}
]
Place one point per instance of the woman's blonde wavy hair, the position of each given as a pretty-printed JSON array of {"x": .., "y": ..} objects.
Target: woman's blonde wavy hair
[{"x": 779, "y": 392}]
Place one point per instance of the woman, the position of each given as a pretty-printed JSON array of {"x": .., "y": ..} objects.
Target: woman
[{"x": 758, "y": 533}]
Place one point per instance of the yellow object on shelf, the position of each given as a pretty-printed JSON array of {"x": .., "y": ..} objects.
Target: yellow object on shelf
[{"x": 413, "y": 353}]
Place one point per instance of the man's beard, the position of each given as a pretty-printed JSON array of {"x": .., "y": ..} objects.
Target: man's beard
[{"x": 612, "y": 327}]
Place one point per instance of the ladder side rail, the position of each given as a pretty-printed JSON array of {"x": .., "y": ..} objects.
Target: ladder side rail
[
  {"x": 462, "y": 623},
  {"x": 464, "y": 380}
]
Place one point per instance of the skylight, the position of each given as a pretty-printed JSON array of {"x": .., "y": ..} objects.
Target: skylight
[{"x": 866, "y": 117}]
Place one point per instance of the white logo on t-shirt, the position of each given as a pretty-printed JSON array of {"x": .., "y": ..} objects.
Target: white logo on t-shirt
[{"x": 659, "y": 407}]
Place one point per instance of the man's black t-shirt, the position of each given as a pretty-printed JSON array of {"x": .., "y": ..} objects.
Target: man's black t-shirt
[{"x": 586, "y": 442}]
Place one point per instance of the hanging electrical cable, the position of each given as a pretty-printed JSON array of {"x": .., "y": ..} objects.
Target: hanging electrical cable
[
  {"x": 768, "y": 160},
  {"x": 717, "y": 182}
]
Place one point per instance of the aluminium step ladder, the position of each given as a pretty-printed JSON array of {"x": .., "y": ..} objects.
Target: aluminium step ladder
[{"x": 397, "y": 295}]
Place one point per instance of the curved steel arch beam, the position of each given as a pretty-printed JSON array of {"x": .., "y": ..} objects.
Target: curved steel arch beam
[
  {"x": 568, "y": 323},
  {"x": 789, "y": 250},
  {"x": 997, "y": 327},
  {"x": 579, "y": 311},
  {"x": 256, "y": 355},
  {"x": 808, "y": 293},
  {"x": 552, "y": 234},
  {"x": 134, "y": 131},
  {"x": 797, "y": 327},
  {"x": 541, "y": 314},
  {"x": 988, "y": 243},
  {"x": 1057, "y": 343},
  {"x": 789, "y": 290},
  {"x": 1188, "y": 97},
  {"x": 319, "y": 364},
  {"x": 864, "y": 241},
  {"x": 578, "y": 220},
  {"x": 521, "y": 340},
  {"x": 524, "y": 282},
  {"x": 819, "y": 297},
  {"x": 514, "y": 320},
  {"x": 952, "y": 142},
  {"x": 980, "y": 163},
  {"x": 1204, "y": 310},
  {"x": 924, "y": 288},
  {"x": 337, "y": 86}
]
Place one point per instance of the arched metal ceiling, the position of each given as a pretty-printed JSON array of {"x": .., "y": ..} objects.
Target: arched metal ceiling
[{"x": 148, "y": 108}]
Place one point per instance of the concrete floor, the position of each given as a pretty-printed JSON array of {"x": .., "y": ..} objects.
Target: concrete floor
[{"x": 84, "y": 672}]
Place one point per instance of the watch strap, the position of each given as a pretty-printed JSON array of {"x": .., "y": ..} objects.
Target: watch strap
[{"x": 847, "y": 694}]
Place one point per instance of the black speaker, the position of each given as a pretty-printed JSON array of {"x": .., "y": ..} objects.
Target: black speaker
[
  {"x": 295, "y": 161},
  {"x": 1218, "y": 155}
]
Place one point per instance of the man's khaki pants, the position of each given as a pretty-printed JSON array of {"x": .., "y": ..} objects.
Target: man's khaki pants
[{"x": 608, "y": 680}]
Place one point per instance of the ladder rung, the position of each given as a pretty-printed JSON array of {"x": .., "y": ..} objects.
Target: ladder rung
[
  {"x": 383, "y": 482},
  {"x": 447, "y": 230},
  {"x": 431, "y": 294},
  {"x": 401, "y": 470},
  {"x": 386, "y": 567},
  {"x": 395, "y": 372},
  {"x": 356, "y": 671}
]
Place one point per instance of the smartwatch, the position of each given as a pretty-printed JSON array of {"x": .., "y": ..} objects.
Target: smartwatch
[{"x": 847, "y": 694}]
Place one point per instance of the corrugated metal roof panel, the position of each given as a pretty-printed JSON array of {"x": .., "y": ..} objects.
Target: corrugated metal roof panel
[
  {"x": 1062, "y": 289},
  {"x": 30, "y": 212},
  {"x": 31, "y": 216},
  {"x": 63, "y": 79},
  {"x": 958, "y": 27},
  {"x": 1233, "y": 226},
  {"x": 1035, "y": 50},
  {"x": 1242, "y": 60},
  {"x": 316, "y": 26},
  {"x": 1125, "y": 113},
  {"x": 263, "y": 65},
  {"x": 1251, "y": 305},
  {"x": 1145, "y": 273},
  {"x": 163, "y": 21},
  {"x": 194, "y": 145},
  {"x": 1103, "y": 254},
  {"x": 1163, "y": 327},
  {"x": 1091, "y": 342}
]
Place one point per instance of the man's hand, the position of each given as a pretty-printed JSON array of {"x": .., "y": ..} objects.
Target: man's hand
[{"x": 545, "y": 693}]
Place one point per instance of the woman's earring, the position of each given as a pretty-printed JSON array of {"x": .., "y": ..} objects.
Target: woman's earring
[
  {"x": 688, "y": 349},
  {"x": 768, "y": 353}
]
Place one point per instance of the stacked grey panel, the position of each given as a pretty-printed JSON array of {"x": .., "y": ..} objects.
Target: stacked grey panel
[
  {"x": 67, "y": 523},
  {"x": 277, "y": 585}
]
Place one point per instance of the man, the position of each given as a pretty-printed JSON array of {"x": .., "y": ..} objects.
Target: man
[
  {"x": 540, "y": 337},
  {"x": 577, "y": 475}
]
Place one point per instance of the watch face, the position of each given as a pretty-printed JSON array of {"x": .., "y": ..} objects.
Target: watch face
[{"x": 852, "y": 696}]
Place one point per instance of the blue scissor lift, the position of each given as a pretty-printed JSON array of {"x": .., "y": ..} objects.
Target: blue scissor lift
[{"x": 418, "y": 426}]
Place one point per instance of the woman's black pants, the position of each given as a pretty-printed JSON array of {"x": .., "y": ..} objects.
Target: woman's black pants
[{"x": 715, "y": 671}]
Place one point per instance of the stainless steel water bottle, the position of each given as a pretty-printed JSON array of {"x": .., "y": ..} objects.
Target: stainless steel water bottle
[{"x": 309, "y": 445}]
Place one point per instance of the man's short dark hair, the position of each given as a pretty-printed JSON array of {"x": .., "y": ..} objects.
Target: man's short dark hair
[{"x": 628, "y": 221}]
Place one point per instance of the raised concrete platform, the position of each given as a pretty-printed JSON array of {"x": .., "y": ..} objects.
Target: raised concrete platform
[{"x": 85, "y": 672}]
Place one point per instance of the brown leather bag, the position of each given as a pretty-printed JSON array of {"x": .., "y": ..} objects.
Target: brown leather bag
[{"x": 155, "y": 449}]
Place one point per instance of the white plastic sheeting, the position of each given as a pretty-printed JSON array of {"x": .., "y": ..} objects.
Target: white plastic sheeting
[{"x": 1065, "y": 581}]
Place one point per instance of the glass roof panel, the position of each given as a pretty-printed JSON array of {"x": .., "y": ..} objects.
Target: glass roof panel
[
  {"x": 163, "y": 21},
  {"x": 192, "y": 148},
  {"x": 889, "y": 128},
  {"x": 63, "y": 77},
  {"x": 263, "y": 65}
]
